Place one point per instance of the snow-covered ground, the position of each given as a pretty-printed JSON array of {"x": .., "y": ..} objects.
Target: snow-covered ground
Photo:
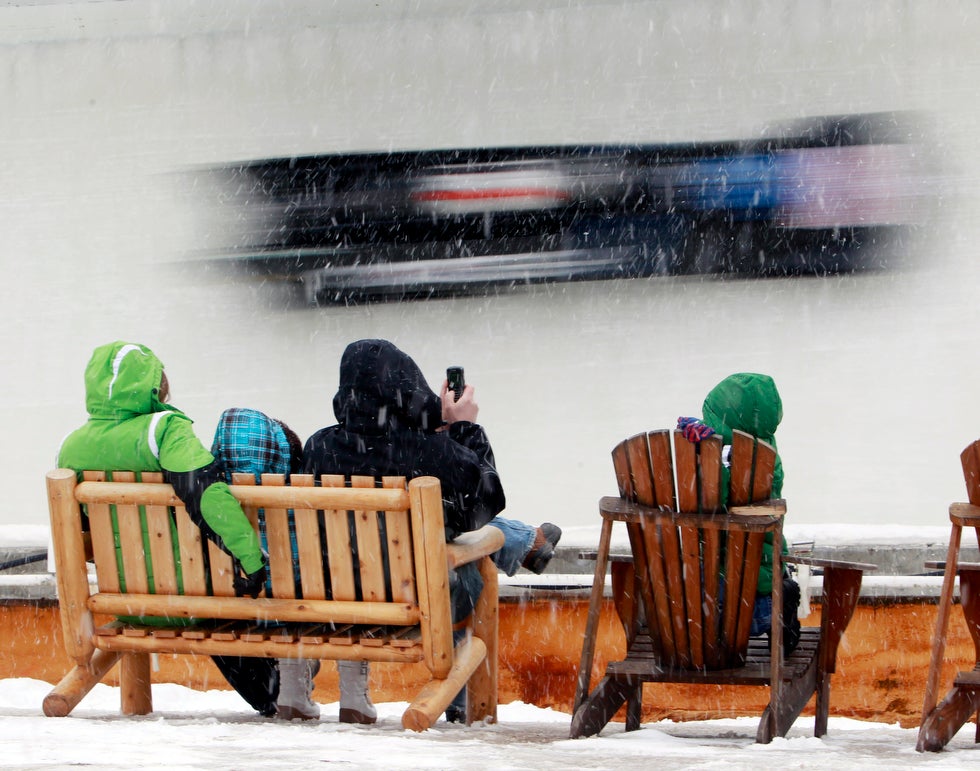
[{"x": 216, "y": 731}]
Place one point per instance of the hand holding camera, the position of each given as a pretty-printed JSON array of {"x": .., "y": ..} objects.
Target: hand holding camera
[{"x": 457, "y": 398}]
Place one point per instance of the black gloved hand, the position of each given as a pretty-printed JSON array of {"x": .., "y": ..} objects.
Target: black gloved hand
[{"x": 251, "y": 584}]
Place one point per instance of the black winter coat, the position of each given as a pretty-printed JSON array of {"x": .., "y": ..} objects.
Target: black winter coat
[{"x": 389, "y": 421}]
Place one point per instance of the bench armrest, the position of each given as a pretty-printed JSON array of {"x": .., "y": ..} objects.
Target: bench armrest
[{"x": 470, "y": 546}]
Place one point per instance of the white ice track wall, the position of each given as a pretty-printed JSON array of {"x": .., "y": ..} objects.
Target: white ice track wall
[
  {"x": 99, "y": 98},
  {"x": 355, "y": 75}
]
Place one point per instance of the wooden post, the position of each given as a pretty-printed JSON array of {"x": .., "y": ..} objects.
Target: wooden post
[
  {"x": 481, "y": 695},
  {"x": 429, "y": 542},
  {"x": 69, "y": 552},
  {"x": 592, "y": 621},
  {"x": 77, "y": 683},
  {"x": 134, "y": 684},
  {"x": 435, "y": 696},
  {"x": 942, "y": 622}
]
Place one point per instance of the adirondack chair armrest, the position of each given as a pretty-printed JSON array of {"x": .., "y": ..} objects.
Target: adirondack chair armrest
[
  {"x": 621, "y": 510},
  {"x": 470, "y": 546},
  {"x": 820, "y": 562},
  {"x": 964, "y": 514},
  {"x": 960, "y": 566},
  {"x": 774, "y": 507},
  {"x": 841, "y": 591}
]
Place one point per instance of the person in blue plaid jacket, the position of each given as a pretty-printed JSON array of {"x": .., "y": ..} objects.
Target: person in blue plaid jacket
[{"x": 249, "y": 441}]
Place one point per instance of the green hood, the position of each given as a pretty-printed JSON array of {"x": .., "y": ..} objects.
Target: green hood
[
  {"x": 745, "y": 402},
  {"x": 122, "y": 380}
]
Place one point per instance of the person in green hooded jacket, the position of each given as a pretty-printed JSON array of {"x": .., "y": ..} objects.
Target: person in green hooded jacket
[
  {"x": 132, "y": 427},
  {"x": 750, "y": 402}
]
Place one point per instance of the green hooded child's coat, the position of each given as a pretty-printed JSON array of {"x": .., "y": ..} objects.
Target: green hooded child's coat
[{"x": 749, "y": 402}]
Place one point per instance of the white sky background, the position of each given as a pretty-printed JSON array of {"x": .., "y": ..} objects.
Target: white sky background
[{"x": 216, "y": 731}]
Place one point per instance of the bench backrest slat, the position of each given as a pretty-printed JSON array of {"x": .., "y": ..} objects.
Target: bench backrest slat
[
  {"x": 367, "y": 525},
  {"x": 191, "y": 552},
  {"x": 162, "y": 532},
  {"x": 311, "y": 568},
  {"x": 221, "y": 571},
  {"x": 340, "y": 551},
  {"x": 398, "y": 532},
  {"x": 279, "y": 544}
]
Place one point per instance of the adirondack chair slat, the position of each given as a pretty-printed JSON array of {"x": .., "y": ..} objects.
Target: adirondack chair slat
[
  {"x": 710, "y": 474},
  {"x": 712, "y": 554},
  {"x": 641, "y": 483},
  {"x": 686, "y": 468},
  {"x": 691, "y": 581},
  {"x": 662, "y": 467},
  {"x": 660, "y": 616}
]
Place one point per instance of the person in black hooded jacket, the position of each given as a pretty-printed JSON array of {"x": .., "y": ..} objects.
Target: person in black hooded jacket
[{"x": 390, "y": 423}]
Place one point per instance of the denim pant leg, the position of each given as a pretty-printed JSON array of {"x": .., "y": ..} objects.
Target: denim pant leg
[
  {"x": 459, "y": 700},
  {"x": 465, "y": 587},
  {"x": 761, "y": 615},
  {"x": 518, "y": 540}
]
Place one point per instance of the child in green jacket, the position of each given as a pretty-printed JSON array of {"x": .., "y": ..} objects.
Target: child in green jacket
[{"x": 750, "y": 402}]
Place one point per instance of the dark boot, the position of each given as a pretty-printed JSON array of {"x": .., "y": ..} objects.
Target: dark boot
[{"x": 543, "y": 548}]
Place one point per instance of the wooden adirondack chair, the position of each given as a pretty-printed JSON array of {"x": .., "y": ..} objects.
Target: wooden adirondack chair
[
  {"x": 941, "y": 722},
  {"x": 693, "y": 573}
]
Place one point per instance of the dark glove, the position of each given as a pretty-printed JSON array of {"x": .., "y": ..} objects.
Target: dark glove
[
  {"x": 694, "y": 430},
  {"x": 250, "y": 584}
]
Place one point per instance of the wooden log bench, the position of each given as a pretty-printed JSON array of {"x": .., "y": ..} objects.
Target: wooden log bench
[{"x": 367, "y": 581}]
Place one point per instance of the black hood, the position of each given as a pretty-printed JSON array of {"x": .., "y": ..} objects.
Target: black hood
[{"x": 382, "y": 389}]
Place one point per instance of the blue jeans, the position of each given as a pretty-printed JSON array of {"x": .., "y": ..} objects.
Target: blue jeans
[
  {"x": 761, "y": 615},
  {"x": 465, "y": 582},
  {"x": 518, "y": 540}
]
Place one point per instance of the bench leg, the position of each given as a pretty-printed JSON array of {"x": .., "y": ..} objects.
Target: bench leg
[
  {"x": 435, "y": 696},
  {"x": 134, "y": 684},
  {"x": 481, "y": 691},
  {"x": 77, "y": 683}
]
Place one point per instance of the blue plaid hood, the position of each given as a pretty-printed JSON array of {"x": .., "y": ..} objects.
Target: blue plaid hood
[{"x": 249, "y": 441}]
